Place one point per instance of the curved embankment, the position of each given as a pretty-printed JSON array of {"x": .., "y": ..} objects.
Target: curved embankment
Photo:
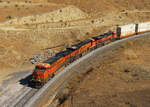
[{"x": 46, "y": 94}]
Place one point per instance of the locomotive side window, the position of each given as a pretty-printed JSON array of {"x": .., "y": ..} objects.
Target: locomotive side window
[{"x": 38, "y": 69}]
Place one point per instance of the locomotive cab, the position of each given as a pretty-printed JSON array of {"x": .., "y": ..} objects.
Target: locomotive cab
[
  {"x": 38, "y": 71},
  {"x": 38, "y": 76}
]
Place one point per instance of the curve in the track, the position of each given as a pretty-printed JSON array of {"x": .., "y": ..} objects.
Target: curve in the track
[{"x": 55, "y": 84}]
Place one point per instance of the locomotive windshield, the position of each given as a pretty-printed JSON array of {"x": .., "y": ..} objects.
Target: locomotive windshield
[{"x": 38, "y": 69}]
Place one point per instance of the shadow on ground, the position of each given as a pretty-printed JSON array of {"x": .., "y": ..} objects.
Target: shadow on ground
[{"x": 26, "y": 81}]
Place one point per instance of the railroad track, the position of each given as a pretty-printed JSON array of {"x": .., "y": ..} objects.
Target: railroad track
[
  {"x": 25, "y": 98},
  {"x": 16, "y": 92},
  {"x": 20, "y": 98}
]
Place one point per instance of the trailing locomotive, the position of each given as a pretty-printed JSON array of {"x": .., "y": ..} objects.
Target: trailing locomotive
[{"x": 46, "y": 70}]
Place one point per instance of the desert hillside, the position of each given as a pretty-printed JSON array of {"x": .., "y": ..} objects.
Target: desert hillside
[{"x": 30, "y": 27}]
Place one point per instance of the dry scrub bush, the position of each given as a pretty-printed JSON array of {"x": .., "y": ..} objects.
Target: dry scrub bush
[
  {"x": 77, "y": 79},
  {"x": 127, "y": 44},
  {"x": 87, "y": 33},
  {"x": 130, "y": 55},
  {"x": 16, "y": 5},
  {"x": 92, "y": 21},
  {"x": 2, "y": 50},
  {"x": 136, "y": 72},
  {"x": 41, "y": 5},
  {"x": 9, "y": 17}
]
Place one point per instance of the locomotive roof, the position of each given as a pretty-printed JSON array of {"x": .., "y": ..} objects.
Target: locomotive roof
[
  {"x": 98, "y": 37},
  {"x": 85, "y": 42},
  {"x": 77, "y": 46},
  {"x": 64, "y": 53},
  {"x": 72, "y": 48},
  {"x": 102, "y": 36},
  {"x": 108, "y": 33},
  {"x": 52, "y": 59}
]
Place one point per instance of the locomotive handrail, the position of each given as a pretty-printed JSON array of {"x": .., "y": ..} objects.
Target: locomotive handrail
[{"x": 49, "y": 87}]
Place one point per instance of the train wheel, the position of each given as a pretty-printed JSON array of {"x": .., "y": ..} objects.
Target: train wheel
[
  {"x": 80, "y": 55},
  {"x": 99, "y": 45},
  {"x": 103, "y": 44},
  {"x": 113, "y": 39},
  {"x": 45, "y": 81},
  {"x": 42, "y": 84},
  {"x": 53, "y": 75},
  {"x": 74, "y": 59},
  {"x": 77, "y": 56},
  {"x": 71, "y": 60},
  {"x": 39, "y": 85},
  {"x": 95, "y": 47},
  {"x": 66, "y": 64},
  {"x": 49, "y": 77}
]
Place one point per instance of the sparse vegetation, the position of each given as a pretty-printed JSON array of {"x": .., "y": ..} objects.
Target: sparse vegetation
[
  {"x": 5, "y": 6},
  {"x": 87, "y": 33},
  {"x": 41, "y": 5},
  {"x": 60, "y": 10},
  {"x": 127, "y": 44},
  {"x": 18, "y": 8},
  {"x": 72, "y": 85},
  {"x": 9, "y": 17},
  {"x": 92, "y": 21},
  {"x": 61, "y": 21},
  {"x": 16, "y": 5}
]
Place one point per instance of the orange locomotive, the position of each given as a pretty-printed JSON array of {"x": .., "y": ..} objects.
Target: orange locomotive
[
  {"x": 101, "y": 39},
  {"x": 46, "y": 70}
]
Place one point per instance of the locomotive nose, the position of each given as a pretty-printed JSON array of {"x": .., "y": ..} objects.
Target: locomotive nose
[{"x": 36, "y": 75}]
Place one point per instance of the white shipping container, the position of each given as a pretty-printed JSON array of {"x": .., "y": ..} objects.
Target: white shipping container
[
  {"x": 127, "y": 30},
  {"x": 143, "y": 27}
]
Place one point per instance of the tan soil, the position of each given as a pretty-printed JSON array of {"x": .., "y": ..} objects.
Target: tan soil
[
  {"x": 18, "y": 43},
  {"x": 25, "y": 9},
  {"x": 119, "y": 79},
  {"x": 64, "y": 14}
]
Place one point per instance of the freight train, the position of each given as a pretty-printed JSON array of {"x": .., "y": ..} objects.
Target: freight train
[{"x": 46, "y": 70}]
